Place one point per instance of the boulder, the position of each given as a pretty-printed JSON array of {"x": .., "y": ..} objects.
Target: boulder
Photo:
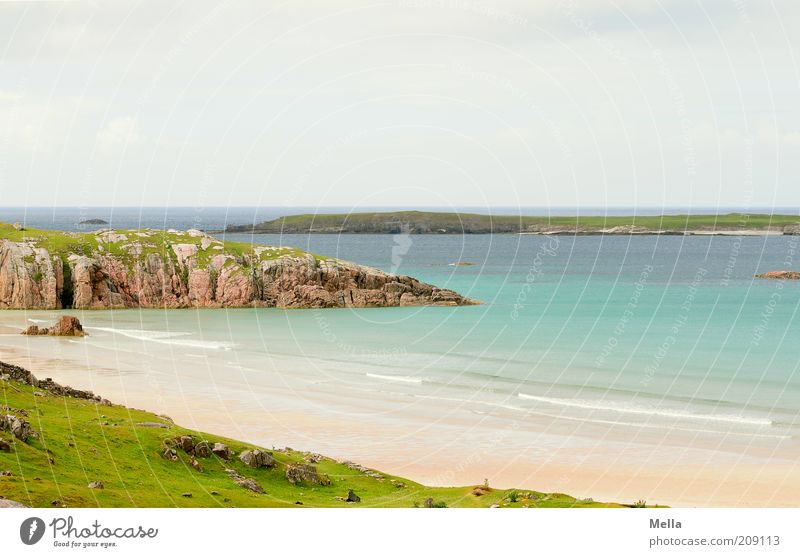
[
  {"x": 222, "y": 451},
  {"x": 153, "y": 424},
  {"x": 257, "y": 459},
  {"x": 305, "y": 473},
  {"x": 187, "y": 443},
  {"x": 18, "y": 427},
  {"x": 352, "y": 497},
  {"x": 9, "y": 504},
  {"x": 202, "y": 449},
  {"x": 250, "y": 484},
  {"x": 66, "y": 326},
  {"x": 96, "y": 485},
  {"x": 5, "y": 446}
]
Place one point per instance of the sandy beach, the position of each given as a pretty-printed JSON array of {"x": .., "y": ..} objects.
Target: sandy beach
[{"x": 444, "y": 443}]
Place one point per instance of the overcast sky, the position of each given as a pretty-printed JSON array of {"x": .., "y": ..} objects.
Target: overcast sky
[{"x": 402, "y": 103}]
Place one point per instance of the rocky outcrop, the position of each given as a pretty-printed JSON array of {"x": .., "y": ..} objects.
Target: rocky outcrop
[
  {"x": 257, "y": 459},
  {"x": 780, "y": 275},
  {"x": 66, "y": 326},
  {"x": 305, "y": 473},
  {"x": 16, "y": 373},
  {"x": 152, "y": 269}
]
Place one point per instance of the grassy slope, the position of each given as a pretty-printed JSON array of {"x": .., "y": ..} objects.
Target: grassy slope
[
  {"x": 500, "y": 223},
  {"x": 127, "y": 459}
]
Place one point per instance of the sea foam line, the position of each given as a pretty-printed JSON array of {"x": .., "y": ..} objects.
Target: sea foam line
[
  {"x": 400, "y": 378},
  {"x": 586, "y": 405},
  {"x": 167, "y": 337}
]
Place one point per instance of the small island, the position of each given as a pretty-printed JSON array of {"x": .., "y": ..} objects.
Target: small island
[
  {"x": 93, "y": 221},
  {"x": 426, "y": 222}
]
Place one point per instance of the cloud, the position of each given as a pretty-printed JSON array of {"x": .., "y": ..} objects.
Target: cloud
[{"x": 121, "y": 132}]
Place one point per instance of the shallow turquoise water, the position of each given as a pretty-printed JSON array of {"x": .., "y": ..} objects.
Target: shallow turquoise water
[
  {"x": 672, "y": 328},
  {"x": 669, "y": 333}
]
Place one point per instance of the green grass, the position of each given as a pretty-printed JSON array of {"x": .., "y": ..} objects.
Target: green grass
[
  {"x": 63, "y": 244},
  {"x": 437, "y": 222},
  {"x": 128, "y": 460}
]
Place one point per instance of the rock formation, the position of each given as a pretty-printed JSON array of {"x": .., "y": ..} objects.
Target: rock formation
[
  {"x": 66, "y": 326},
  {"x": 147, "y": 268},
  {"x": 780, "y": 275}
]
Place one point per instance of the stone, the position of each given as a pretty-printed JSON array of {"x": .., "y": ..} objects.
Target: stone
[
  {"x": 250, "y": 484},
  {"x": 352, "y": 497},
  {"x": 18, "y": 226},
  {"x": 257, "y": 459},
  {"x": 9, "y": 504},
  {"x": 202, "y": 450},
  {"x": 18, "y": 427},
  {"x": 96, "y": 485},
  {"x": 153, "y": 424},
  {"x": 66, "y": 326},
  {"x": 305, "y": 473},
  {"x": 170, "y": 454},
  {"x": 187, "y": 443},
  {"x": 196, "y": 465},
  {"x": 186, "y": 494},
  {"x": 6, "y": 473},
  {"x": 5, "y": 446},
  {"x": 222, "y": 451}
]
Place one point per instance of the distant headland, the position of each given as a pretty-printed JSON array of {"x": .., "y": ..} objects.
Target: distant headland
[{"x": 424, "y": 222}]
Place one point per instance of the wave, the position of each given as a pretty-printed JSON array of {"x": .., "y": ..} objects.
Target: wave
[
  {"x": 606, "y": 422},
  {"x": 589, "y": 405},
  {"x": 400, "y": 378},
  {"x": 471, "y": 401},
  {"x": 171, "y": 338}
]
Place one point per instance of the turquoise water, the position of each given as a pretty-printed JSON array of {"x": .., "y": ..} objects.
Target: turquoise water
[
  {"x": 667, "y": 333},
  {"x": 671, "y": 330}
]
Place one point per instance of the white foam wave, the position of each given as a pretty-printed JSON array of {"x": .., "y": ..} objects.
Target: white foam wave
[
  {"x": 167, "y": 337},
  {"x": 590, "y": 405},
  {"x": 399, "y": 378},
  {"x": 470, "y": 401}
]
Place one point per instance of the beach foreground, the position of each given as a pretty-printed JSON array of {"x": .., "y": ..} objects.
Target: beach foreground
[
  {"x": 69, "y": 448},
  {"x": 441, "y": 444}
]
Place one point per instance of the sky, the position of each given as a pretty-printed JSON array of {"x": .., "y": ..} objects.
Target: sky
[{"x": 410, "y": 103}]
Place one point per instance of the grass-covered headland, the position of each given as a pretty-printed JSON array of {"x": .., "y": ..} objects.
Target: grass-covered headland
[
  {"x": 60, "y": 447},
  {"x": 427, "y": 222}
]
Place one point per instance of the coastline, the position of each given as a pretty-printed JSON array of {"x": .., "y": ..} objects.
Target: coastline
[{"x": 453, "y": 447}]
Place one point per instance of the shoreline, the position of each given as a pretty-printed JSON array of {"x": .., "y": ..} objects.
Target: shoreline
[{"x": 461, "y": 449}]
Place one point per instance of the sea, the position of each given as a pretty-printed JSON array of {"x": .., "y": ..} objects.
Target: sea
[{"x": 642, "y": 335}]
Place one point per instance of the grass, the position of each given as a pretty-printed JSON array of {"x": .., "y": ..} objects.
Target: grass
[
  {"x": 80, "y": 441},
  {"x": 435, "y": 222},
  {"x": 64, "y": 244}
]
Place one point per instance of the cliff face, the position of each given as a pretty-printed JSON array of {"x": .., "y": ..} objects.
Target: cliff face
[{"x": 108, "y": 269}]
